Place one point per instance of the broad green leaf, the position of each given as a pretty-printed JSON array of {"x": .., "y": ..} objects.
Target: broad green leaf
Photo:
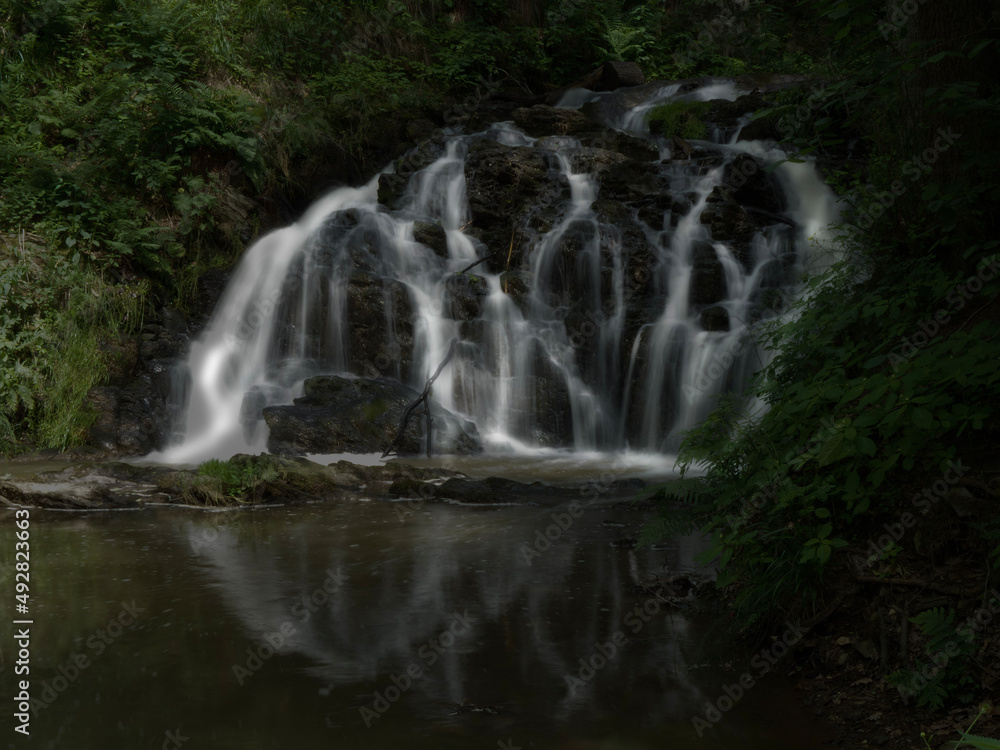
[
  {"x": 866, "y": 446},
  {"x": 922, "y": 418},
  {"x": 832, "y": 450}
]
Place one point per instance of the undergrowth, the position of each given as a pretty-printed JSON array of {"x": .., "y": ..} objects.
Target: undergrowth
[{"x": 236, "y": 481}]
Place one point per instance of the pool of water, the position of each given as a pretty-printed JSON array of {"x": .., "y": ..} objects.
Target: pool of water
[{"x": 367, "y": 624}]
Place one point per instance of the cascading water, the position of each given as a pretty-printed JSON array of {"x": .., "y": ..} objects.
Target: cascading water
[{"x": 569, "y": 351}]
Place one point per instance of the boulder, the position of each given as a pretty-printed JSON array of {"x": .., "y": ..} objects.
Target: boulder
[
  {"x": 725, "y": 113},
  {"x": 708, "y": 280},
  {"x": 610, "y": 76},
  {"x": 545, "y": 120},
  {"x": 750, "y": 185},
  {"x": 728, "y": 220},
  {"x": 391, "y": 189},
  {"x": 629, "y": 146},
  {"x": 715, "y": 318},
  {"x": 431, "y": 235},
  {"x": 362, "y": 415},
  {"x": 762, "y": 129},
  {"x": 617, "y": 74},
  {"x": 464, "y": 294}
]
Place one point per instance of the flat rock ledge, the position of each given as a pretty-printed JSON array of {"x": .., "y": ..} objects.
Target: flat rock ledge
[{"x": 110, "y": 485}]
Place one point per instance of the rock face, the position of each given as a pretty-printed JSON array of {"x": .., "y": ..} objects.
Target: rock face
[
  {"x": 135, "y": 412},
  {"x": 362, "y": 415}
]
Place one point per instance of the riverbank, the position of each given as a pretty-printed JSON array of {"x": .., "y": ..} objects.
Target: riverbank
[{"x": 249, "y": 481}]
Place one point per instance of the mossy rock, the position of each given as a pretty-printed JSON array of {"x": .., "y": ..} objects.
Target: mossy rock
[{"x": 685, "y": 119}]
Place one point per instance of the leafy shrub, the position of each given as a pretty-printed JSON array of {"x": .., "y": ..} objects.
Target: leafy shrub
[{"x": 949, "y": 652}]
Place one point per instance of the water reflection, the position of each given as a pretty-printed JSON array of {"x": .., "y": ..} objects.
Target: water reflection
[{"x": 299, "y": 626}]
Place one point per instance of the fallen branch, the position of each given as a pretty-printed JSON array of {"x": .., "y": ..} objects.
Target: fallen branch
[
  {"x": 421, "y": 399},
  {"x": 471, "y": 266}
]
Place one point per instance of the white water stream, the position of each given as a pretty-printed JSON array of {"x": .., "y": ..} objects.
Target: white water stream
[{"x": 286, "y": 313}]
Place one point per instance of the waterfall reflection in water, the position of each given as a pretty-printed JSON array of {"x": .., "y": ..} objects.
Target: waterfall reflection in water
[{"x": 360, "y": 591}]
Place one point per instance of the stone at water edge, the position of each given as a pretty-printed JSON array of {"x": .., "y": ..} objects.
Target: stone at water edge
[{"x": 362, "y": 415}]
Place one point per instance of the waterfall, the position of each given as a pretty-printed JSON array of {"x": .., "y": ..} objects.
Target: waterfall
[{"x": 584, "y": 356}]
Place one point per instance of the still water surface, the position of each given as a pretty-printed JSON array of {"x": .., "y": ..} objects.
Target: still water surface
[{"x": 353, "y": 595}]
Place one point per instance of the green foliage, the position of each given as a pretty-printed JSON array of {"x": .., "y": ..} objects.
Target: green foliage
[
  {"x": 949, "y": 652},
  {"x": 884, "y": 371},
  {"x": 241, "y": 479},
  {"x": 980, "y": 743},
  {"x": 56, "y": 319},
  {"x": 852, "y": 406},
  {"x": 681, "y": 118}
]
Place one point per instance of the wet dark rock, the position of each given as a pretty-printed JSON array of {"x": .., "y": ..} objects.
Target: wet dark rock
[
  {"x": 134, "y": 412},
  {"x": 750, "y": 185},
  {"x": 464, "y": 295},
  {"x": 680, "y": 147},
  {"x": 762, "y": 129},
  {"x": 627, "y": 145},
  {"x": 708, "y": 281},
  {"x": 514, "y": 284},
  {"x": 422, "y": 155},
  {"x": 715, "y": 318},
  {"x": 380, "y": 337},
  {"x": 616, "y": 74},
  {"x": 420, "y": 129},
  {"x": 432, "y": 235},
  {"x": 633, "y": 180},
  {"x": 611, "y": 211},
  {"x": 490, "y": 491},
  {"x": 595, "y": 160},
  {"x": 211, "y": 286},
  {"x": 728, "y": 220},
  {"x": 705, "y": 157},
  {"x": 772, "y": 299},
  {"x": 548, "y": 420},
  {"x": 545, "y": 120},
  {"x": 609, "y": 110},
  {"x": 506, "y": 186},
  {"x": 174, "y": 321},
  {"x": 610, "y": 76},
  {"x": 132, "y": 420},
  {"x": 361, "y": 415},
  {"x": 391, "y": 189},
  {"x": 725, "y": 113},
  {"x": 654, "y": 210},
  {"x": 498, "y": 108}
]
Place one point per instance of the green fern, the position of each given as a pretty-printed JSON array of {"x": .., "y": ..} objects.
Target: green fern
[{"x": 949, "y": 651}]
